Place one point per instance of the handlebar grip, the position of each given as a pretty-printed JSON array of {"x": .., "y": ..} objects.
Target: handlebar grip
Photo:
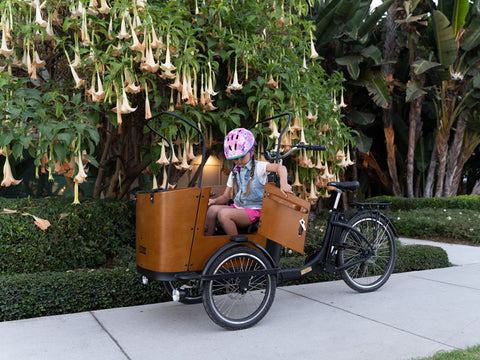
[{"x": 312, "y": 147}]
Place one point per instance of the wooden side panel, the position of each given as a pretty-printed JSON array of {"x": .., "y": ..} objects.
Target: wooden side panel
[
  {"x": 282, "y": 218},
  {"x": 165, "y": 229}
]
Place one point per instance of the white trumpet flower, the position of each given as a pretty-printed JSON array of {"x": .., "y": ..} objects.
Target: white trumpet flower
[
  {"x": 235, "y": 85},
  {"x": 123, "y": 30},
  {"x": 38, "y": 16},
  {"x": 155, "y": 42},
  {"x": 313, "y": 52},
  {"x": 167, "y": 66},
  {"x": 81, "y": 175},
  {"x": 4, "y": 50},
  {"x": 8, "y": 178},
  {"x": 163, "y": 160},
  {"x": 149, "y": 64},
  {"x": 104, "y": 8},
  {"x": 37, "y": 62},
  {"x": 137, "y": 45},
  {"x": 125, "y": 108},
  {"x": 78, "y": 82}
]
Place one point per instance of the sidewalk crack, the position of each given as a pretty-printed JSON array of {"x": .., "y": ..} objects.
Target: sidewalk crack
[{"x": 111, "y": 336}]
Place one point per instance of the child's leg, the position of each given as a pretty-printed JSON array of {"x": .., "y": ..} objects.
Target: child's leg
[
  {"x": 211, "y": 218},
  {"x": 231, "y": 218}
]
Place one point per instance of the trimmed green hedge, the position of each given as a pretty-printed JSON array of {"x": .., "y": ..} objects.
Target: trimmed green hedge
[
  {"x": 462, "y": 225},
  {"x": 91, "y": 234},
  {"x": 52, "y": 293},
  {"x": 471, "y": 202},
  {"x": 420, "y": 257}
]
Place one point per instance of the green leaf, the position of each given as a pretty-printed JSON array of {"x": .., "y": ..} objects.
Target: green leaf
[
  {"x": 58, "y": 109},
  {"x": 471, "y": 38},
  {"x": 66, "y": 137},
  {"x": 5, "y": 139},
  {"x": 422, "y": 65},
  {"x": 352, "y": 63},
  {"x": 14, "y": 112},
  {"x": 59, "y": 151},
  {"x": 378, "y": 89},
  {"x": 92, "y": 160},
  {"x": 413, "y": 91},
  {"x": 371, "y": 21},
  {"x": 460, "y": 10},
  {"x": 361, "y": 118},
  {"x": 345, "y": 10},
  {"x": 445, "y": 37},
  {"x": 373, "y": 53},
  {"x": 17, "y": 149}
]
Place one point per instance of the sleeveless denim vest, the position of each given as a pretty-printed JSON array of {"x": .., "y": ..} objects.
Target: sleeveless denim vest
[{"x": 255, "y": 198}]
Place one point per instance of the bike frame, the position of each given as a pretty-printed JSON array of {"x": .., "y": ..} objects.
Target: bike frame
[{"x": 200, "y": 251}]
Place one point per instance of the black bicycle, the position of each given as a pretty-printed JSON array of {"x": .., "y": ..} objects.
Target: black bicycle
[{"x": 236, "y": 276}]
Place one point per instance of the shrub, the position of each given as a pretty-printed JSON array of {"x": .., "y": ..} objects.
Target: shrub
[
  {"x": 438, "y": 223},
  {"x": 420, "y": 257},
  {"x": 457, "y": 202},
  {"x": 80, "y": 236},
  {"x": 51, "y": 293}
]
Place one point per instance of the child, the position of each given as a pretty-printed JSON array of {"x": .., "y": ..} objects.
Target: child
[{"x": 247, "y": 179}]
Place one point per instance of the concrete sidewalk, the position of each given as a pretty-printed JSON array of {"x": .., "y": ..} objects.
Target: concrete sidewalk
[{"x": 415, "y": 314}]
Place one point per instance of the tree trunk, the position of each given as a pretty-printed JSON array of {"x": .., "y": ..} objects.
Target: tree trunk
[
  {"x": 470, "y": 142},
  {"x": 389, "y": 57},
  {"x": 476, "y": 188},
  {"x": 453, "y": 164},
  {"x": 445, "y": 123},
  {"x": 391, "y": 156},
  {"x": 413, "y": 135},
  {"x": 102, "y": 166},
  {"x": 428, "y": 192}
]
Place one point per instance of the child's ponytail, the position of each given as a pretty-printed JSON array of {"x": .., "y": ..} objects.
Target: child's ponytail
[
  {"x": 252, "y": 172},
  {"x": 249, "y": 184}
]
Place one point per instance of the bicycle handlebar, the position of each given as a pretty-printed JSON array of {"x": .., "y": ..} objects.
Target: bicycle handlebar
[{"x": 311, "y": 147}]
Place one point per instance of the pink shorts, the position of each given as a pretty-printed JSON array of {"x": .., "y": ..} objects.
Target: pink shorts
[{"x": 253, "y": 214}]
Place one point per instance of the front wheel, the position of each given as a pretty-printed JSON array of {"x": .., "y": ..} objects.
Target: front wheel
[
  {"x": 368, "y": 262},
  {"x": 242, "y": 295}
]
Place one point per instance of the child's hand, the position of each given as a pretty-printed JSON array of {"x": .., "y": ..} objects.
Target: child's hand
[
  {"x": 286, "y": 188},
  {"x": 212, "y": 202}
]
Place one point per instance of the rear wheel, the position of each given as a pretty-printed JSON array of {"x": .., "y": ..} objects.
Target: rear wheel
[
  {"x": 240, "y": 298},
  {"x": 369, "y": 261},
  {"x": 188, "y": 290}
]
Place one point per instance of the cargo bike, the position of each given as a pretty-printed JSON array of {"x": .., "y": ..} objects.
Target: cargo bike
[{"x": 236, "y": 276}]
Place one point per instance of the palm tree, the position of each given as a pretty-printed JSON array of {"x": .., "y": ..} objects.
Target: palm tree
[{"x": 456, "y": 28}]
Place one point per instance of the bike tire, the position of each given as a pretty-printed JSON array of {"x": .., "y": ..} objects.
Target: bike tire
[
  {"x": 191, "y": 287},
  {"x": 373, "y": 273},
  {"x": 236, "y": 303}
]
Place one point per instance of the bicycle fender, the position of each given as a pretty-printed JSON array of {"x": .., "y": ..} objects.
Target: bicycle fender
[{"x": 232, "y": 245}]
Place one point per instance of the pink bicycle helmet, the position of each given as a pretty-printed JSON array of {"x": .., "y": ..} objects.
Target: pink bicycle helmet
[{"x": 238, "y": 142}]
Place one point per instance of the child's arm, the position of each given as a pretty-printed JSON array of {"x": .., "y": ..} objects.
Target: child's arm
[
  {"x": 282, "y": 173},
  {"x": 222, "y": 199}
]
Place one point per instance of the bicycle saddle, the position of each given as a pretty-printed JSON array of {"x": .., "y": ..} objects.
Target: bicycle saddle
[{"x": 344, "y": 185}]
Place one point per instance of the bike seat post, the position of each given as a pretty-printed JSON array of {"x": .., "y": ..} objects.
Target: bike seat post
[{"x": 338, "y": 195}]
